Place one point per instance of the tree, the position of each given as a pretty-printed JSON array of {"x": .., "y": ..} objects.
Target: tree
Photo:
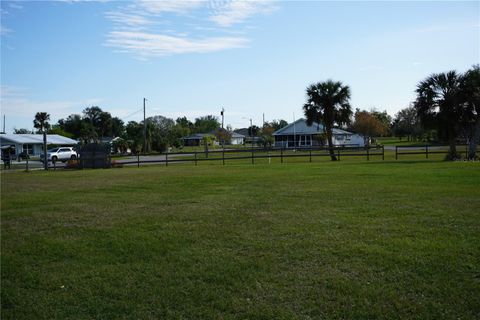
[
  {"x": 266, "y": 135},
  {"x": 72, "y": 125},
  {"x": 41, "y": 123},
  {"x": 407, "y": 123},
  {"x": 368, "y": 125},
  {"x": 278, "y": 124},
  {"x": 471, "y": 108},
  {"x": 385, "y": 119},
  {"x": 134, "y": 135},
  {"x": 206, "y": 124},
  {"x": 439, "y": 105},
  {"x": 328, "y": 102},
  {"x": 22, "y": 131}
]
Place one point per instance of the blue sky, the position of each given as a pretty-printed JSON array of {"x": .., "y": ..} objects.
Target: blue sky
[{"x": 251, "y": 57}]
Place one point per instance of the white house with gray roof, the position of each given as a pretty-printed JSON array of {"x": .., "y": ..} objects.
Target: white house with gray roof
[
  {"x": 32, "y": 144},
  {"x": 299, "y": 134}
]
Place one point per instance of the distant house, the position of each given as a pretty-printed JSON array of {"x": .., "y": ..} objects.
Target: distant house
[
  {"x": 237, "y": 138},
  {"x": 299, "y": 134},
  {"x": 247, "y": 138},
  {"x": 32, "y": 144},
  {"x": 197, "y": 138}
]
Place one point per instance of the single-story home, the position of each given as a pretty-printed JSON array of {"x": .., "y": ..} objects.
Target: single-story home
[
  {"x": 32, "y": 144},
  {"x": 247, "y": 138},
  {"x": 299, "y": 134},
  {"x": 197, "y": 138}
]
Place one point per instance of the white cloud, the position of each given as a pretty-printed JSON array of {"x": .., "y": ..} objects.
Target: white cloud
[
  {"x": 159, "y": 28},
  {"x": 237, "y": 11},
  {"x": 177, "y": 6},
  {"x": 149, "y": 44}
]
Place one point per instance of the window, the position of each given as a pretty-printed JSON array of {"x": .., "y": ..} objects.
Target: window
[{"x": 28, "y": 148}]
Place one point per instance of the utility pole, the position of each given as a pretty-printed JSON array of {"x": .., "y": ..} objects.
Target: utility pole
[
  {"x": 222, "y": 114},
  {"x": 144, "y": 129},
  {"x": 3, "y": 123},
  {"x": 263, "y": 115}
]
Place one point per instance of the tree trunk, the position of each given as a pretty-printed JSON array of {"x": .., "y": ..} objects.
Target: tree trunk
[
  {"x": 45, "y": 163},
  {"x": 453, "y": 148},
  {"x": 330, "y": 144},
  {"x": 474, "y": 140}
]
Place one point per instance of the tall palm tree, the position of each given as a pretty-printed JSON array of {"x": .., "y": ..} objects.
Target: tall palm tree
[
  {"x": 328, "y": 102},
  {"x": 41, "y": 123},
  {"x": 439, "y": 104}
]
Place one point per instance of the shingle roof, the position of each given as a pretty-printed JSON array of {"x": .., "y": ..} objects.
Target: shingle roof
[
  {"x": 300, "y": 127},
  {"x": 35, "y": 139}
]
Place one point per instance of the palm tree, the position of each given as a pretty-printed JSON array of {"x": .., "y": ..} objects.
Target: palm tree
[
  {"x": 41, "y": 123},
  {"x": 439, "y": 104},
  {"x": 327, "y": 102}
]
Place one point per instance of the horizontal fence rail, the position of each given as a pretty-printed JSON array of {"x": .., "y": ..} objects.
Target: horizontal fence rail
[{"x": 428, "y": 150}]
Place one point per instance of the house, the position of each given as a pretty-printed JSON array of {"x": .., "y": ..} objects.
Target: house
[
  {"x": 247, "y": 138},
  {"x": 197, "y": 138},
  {"x": 299, "y": 134},
  {"x": 32, "y": 144},
  {"x": 237, "y": 138}
]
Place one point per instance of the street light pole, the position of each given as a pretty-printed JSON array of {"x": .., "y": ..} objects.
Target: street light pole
[{"x": 144, "y": 129}]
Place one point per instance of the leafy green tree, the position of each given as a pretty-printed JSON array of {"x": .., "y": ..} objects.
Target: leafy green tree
[
  {"x": 407, "y": 123},
  {"x": 328, "y": 103},
  {"x": 278, "y": 124},
  {"x": 134, "y": 135},
  {"x": 439, "y": 105},
  {"x": 206, "y": 124},
  {"x": 22, "y": 131},
  {"x": 72, "y": 125},
  {"x": 471, "y": 108}
]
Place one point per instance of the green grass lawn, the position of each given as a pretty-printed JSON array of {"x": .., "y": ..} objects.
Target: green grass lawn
[{"x": 322, "y": 240}]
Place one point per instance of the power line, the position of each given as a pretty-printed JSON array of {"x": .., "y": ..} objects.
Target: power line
[{"x": 132, "y": 114}]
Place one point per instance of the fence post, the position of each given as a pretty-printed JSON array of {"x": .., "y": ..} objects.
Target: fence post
[
  {"x": 310, "y": 154},
  {"x": 166, "y": 159},
  {"x": 223, "y": 156},
  {"x": 26, "y": 166},
  {"x": 426, "y": 152},
  {"x": 338, "y": 153},
  {"x": 368, "y": 153},
  {"x": 383, "y": 152},
  {"x": 252, "y": 155},
  {"x": 195, "y": 157},
  {"x": 54, "y": 165},
  {"x": 138, "y": 160},
  {"x": 396, "y": 152},
  {"x": 281, "y": 155}
]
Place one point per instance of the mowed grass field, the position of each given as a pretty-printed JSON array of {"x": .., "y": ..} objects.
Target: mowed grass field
[{"x": 324, "y": 240}]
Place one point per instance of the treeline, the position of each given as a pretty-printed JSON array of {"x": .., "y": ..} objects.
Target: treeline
[{"x": 96, "y": 125}]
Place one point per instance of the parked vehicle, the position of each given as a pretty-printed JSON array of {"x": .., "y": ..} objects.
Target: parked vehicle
[{"x": 62, "y": 153}]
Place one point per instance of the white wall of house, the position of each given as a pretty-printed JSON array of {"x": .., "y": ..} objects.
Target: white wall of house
[
  {"x": 348, "y": 140},
  {"x": 236, "y": 141}
]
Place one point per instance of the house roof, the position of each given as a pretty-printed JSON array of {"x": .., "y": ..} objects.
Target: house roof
[
  {"x": 35, "y": 139},
  {"x": 300, "y": 127},
  {"x": 237, "y": 135},
  {"x": 197, "y": 136}
]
